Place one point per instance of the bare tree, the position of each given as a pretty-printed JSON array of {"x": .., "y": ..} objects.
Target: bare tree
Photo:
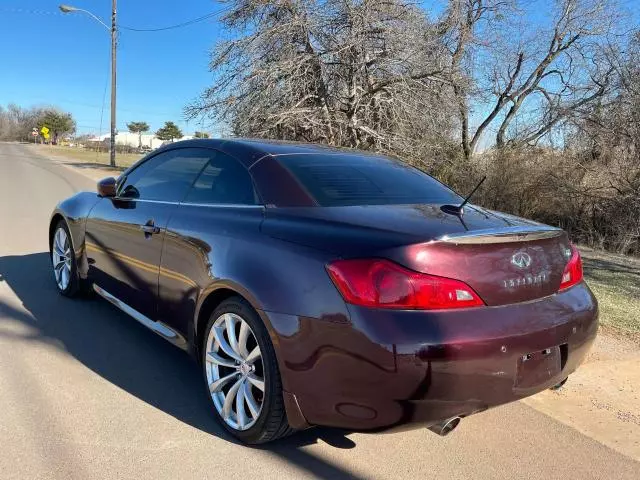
[
  {"x": 522, "y": 79},
  {"x": 343, "y": 72},
  {"x": 607, "y": 135},
  {"x": 16, "y": 123}
]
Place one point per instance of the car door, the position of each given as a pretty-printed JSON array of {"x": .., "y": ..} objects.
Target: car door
[
  {"x": 205, "y": 236},
  {"x": 124, "y": 234}
]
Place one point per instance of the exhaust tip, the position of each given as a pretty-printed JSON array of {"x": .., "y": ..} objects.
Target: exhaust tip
[
  {"x": 446, "y": 427},
  {"x": 558, "y": 386}
]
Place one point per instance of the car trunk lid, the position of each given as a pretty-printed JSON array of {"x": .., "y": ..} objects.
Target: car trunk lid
[
  {"x": 505, "y": 259},
  {"x": 507, "y": 265}
]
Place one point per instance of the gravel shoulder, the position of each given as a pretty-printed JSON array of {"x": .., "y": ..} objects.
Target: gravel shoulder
[
  {"x": 602, "y": 398},
  {"x": 85, "y": 164}
]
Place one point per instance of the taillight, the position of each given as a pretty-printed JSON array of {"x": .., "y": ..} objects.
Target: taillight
[
  {"x": 384, "y": 284},
  {"x": 573, "y": 271}
]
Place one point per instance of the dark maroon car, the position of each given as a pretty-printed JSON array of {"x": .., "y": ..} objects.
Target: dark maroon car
[{"x": 318, "y": 286}]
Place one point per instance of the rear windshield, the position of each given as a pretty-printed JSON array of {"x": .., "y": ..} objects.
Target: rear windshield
[{"x": 335, "y": 180}]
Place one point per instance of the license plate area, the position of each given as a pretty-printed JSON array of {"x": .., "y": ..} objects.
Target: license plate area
[{"x": 539, "y": 367}]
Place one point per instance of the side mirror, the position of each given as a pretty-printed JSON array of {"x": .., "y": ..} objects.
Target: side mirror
[{"x": 107, "y": 187}]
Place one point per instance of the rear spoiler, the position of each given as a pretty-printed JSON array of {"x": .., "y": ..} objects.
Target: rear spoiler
[{"x": 503, "y": 235}]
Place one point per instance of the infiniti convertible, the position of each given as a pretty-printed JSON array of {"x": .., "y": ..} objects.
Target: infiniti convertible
[{"x": 320, "y": 286}]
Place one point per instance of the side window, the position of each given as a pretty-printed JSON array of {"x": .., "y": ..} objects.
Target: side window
[
  {"x": 223, "y": 181},
  {"x": 167, "y": 176}
]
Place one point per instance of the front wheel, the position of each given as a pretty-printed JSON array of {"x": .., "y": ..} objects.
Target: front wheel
[
  {"x": 63, "y": 260},
  {"x": 241, "y": 374}
]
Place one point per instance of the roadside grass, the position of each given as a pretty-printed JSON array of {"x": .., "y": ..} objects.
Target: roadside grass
[
  {"x": 615, "y": 281},
  {"x": 90, "y": 156}
]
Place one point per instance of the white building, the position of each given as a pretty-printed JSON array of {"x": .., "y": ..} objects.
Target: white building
[{"x": 131, "y": 139}]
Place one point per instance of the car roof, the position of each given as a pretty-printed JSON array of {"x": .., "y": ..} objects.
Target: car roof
[{"x": 249, "y": 150}]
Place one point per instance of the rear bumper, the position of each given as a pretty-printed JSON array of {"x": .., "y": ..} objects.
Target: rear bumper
[{"x": 381, "y": 369}]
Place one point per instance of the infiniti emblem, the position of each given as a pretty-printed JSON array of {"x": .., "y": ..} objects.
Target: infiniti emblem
[{"x": 521, "y": 260}]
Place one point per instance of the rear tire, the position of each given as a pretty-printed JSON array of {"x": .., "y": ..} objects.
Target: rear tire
[{"x": 241, "y": 374}]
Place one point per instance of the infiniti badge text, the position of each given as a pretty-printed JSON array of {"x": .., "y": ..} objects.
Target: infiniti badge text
[{"x": 531, "y": 279}]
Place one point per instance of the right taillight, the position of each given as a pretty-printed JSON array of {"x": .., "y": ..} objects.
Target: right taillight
[
  {"x": 384, "y": 284},
  {"x": 573, "y": 271}
]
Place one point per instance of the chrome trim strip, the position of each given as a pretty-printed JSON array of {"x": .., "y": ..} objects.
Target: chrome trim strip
[
  {"x": 158, "y": 327},
  {"x": 330, "y": 152},
  {"x": 125, "y": 199},
  {"x": 223, "y": 205},
  {"x": 258, "y": 160},
  {"x": 227, "y": 205},
  {"x": 503, "y": 235}
]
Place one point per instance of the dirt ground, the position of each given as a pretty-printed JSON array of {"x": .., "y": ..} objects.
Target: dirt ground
[
  {"x": 89, "y": 167},
  {"x": 602, "y": 398}
]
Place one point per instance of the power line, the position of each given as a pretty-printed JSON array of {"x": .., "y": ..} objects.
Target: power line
[
  {"x": 27, "y": 10},
  {"x": 125, "y": 27},
  {"x": 171, "y": 27}
]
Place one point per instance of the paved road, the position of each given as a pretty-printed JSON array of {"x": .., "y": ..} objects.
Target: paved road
[{"x": 85, "y": 392}]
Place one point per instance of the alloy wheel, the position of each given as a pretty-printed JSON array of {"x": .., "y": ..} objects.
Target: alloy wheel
[
  {"x": 235, "y": 372},
  {"x": 61, "y": 258}
]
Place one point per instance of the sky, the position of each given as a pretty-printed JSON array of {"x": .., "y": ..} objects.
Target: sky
[{"x": 49, "y": 58}]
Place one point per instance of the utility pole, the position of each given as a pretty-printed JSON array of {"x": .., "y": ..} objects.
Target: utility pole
[
  {"x": 70, "y": 9},
  {"x": 112, "y": 153}
]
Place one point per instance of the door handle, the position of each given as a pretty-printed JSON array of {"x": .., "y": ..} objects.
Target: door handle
[{"x": 149, "y": 228}]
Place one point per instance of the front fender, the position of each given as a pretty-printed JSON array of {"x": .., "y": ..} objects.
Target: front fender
[{"x": 74, "y": 211}]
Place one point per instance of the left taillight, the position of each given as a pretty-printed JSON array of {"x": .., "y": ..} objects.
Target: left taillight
[
  {"x": 384, "y": 284},
  {"x": 573, "y": 270}
]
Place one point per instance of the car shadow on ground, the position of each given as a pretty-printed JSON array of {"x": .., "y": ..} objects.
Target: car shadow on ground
[{"x": 128, "y": 355}]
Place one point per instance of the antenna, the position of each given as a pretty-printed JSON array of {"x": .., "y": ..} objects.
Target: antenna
[
  {"x": 472, "y": 192},
  {"x": 458, "y": 209}
]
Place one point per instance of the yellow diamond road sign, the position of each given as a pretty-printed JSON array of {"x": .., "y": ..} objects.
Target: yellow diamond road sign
[{"x": 44, "y": 130}]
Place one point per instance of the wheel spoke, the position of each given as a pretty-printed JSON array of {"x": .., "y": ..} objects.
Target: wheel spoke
[
  {"x": 256, "y": 381},
  {"x": 229, "y": 399},
  {"x": 241, "y": 415},
  {"x": 57, "y": 270},
  {"x": 56, "y": 240},
  {"x": 245, "y": 330},
  {"x": 56, "y": 244},
  {"x": 230, "y": 322},
  {"x": 253, "y": 356},
  {"x": 254, "y": 408},
  {"x": 60, "y": 239},
  {"x": 65, "y": 276},
  {"x": 58, "y": 251},
  {"x": 224, "y": 345},
  {"x": 216, "y": 359},
  {"x": 221, "y": 382}
]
